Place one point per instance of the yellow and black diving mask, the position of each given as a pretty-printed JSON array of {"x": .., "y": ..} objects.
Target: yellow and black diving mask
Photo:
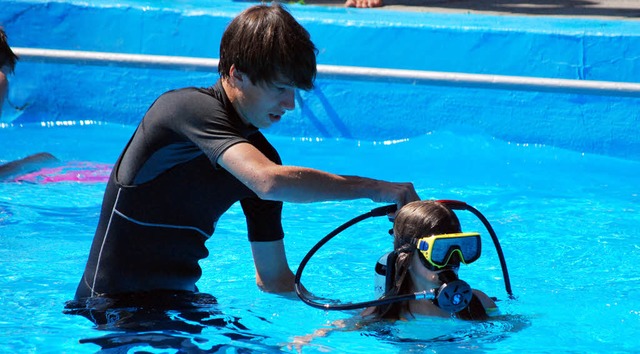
[{"x": 449, "y": 250}]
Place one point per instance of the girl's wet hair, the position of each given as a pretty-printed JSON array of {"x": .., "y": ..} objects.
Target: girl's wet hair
[
  {"x": 267, "y": 44},
  {"x": 423, "y": 218}
]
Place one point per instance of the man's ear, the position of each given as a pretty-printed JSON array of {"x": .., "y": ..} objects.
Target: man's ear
[{"x": 237, "y": 77}]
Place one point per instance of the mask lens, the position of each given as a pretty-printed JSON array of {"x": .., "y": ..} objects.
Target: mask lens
[
  {"x": 470, "y": 247},
  {"x": 440, "y": 251},
  {"x": 467, "y": 246}
]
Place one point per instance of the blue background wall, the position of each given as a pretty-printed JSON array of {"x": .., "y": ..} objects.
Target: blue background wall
[{"x": 504, "y": 45}]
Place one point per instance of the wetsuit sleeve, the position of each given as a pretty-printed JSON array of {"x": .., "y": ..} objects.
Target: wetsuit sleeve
[
  {"x": 264, "y": 217},
  {"x": 211, "y": 128}
]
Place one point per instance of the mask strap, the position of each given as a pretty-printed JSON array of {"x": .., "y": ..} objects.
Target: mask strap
[{"x": 391, "y": 271}]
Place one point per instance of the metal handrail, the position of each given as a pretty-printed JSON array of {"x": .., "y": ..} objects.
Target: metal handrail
[{"x": 520, "y": 83}]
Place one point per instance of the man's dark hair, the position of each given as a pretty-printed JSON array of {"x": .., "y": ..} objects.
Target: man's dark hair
[
  {"x": 266, "y": 43},
  {"x": 7, "y": 57}
]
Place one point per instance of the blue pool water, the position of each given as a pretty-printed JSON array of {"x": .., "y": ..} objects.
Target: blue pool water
[{"x": 567, "y": 221}]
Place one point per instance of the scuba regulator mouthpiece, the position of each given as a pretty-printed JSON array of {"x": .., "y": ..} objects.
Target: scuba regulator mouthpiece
[{"x": 454, "y": 294}]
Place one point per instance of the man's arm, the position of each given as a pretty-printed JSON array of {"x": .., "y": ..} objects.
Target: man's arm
[
  {"x": 271, "y": 181},
  {"x": 272, "y": 270}
]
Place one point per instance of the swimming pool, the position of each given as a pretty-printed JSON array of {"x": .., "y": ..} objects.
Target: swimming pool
[
  {"x": 567, "y": 223},
  {"x": 567, "y": 218}
]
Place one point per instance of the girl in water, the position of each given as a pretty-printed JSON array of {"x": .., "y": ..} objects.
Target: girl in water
[{"x": 428, "y": 248}]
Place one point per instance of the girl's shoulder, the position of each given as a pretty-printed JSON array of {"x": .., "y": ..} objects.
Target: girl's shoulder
[{"x": 487, "y": 302}]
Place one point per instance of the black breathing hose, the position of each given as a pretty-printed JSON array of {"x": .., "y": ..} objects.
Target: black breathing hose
[
  {"x": 382, "y": 211},
  {"x": 458, "y": 205}
]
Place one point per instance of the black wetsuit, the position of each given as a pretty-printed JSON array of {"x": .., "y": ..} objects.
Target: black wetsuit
[{"x": 166, "y": 193}]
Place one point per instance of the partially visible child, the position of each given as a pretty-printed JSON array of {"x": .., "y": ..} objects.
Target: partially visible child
[{"x": 40, "y": 167}]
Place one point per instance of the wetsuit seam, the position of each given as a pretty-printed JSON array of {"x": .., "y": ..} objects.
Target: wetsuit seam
[
  {"x": 183, "y": 227},
  {"x": 104, "y": 240}
]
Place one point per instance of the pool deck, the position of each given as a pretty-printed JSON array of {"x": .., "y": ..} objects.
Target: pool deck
[{"x": 602, "y": 9}]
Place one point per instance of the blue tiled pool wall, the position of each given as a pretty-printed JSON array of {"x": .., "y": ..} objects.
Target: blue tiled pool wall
[{"x": 592, "y": 49}]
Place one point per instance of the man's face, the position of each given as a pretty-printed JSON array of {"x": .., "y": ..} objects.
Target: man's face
[{"x": 262, "y": 104}]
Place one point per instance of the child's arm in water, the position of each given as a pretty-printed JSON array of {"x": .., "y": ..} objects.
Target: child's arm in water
[
  {"x": 350, "y": 324},
  {"x": 26, "y": 165}
]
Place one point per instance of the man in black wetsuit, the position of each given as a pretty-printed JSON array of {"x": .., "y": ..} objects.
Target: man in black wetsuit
[{"x": 199, "y": 151}]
